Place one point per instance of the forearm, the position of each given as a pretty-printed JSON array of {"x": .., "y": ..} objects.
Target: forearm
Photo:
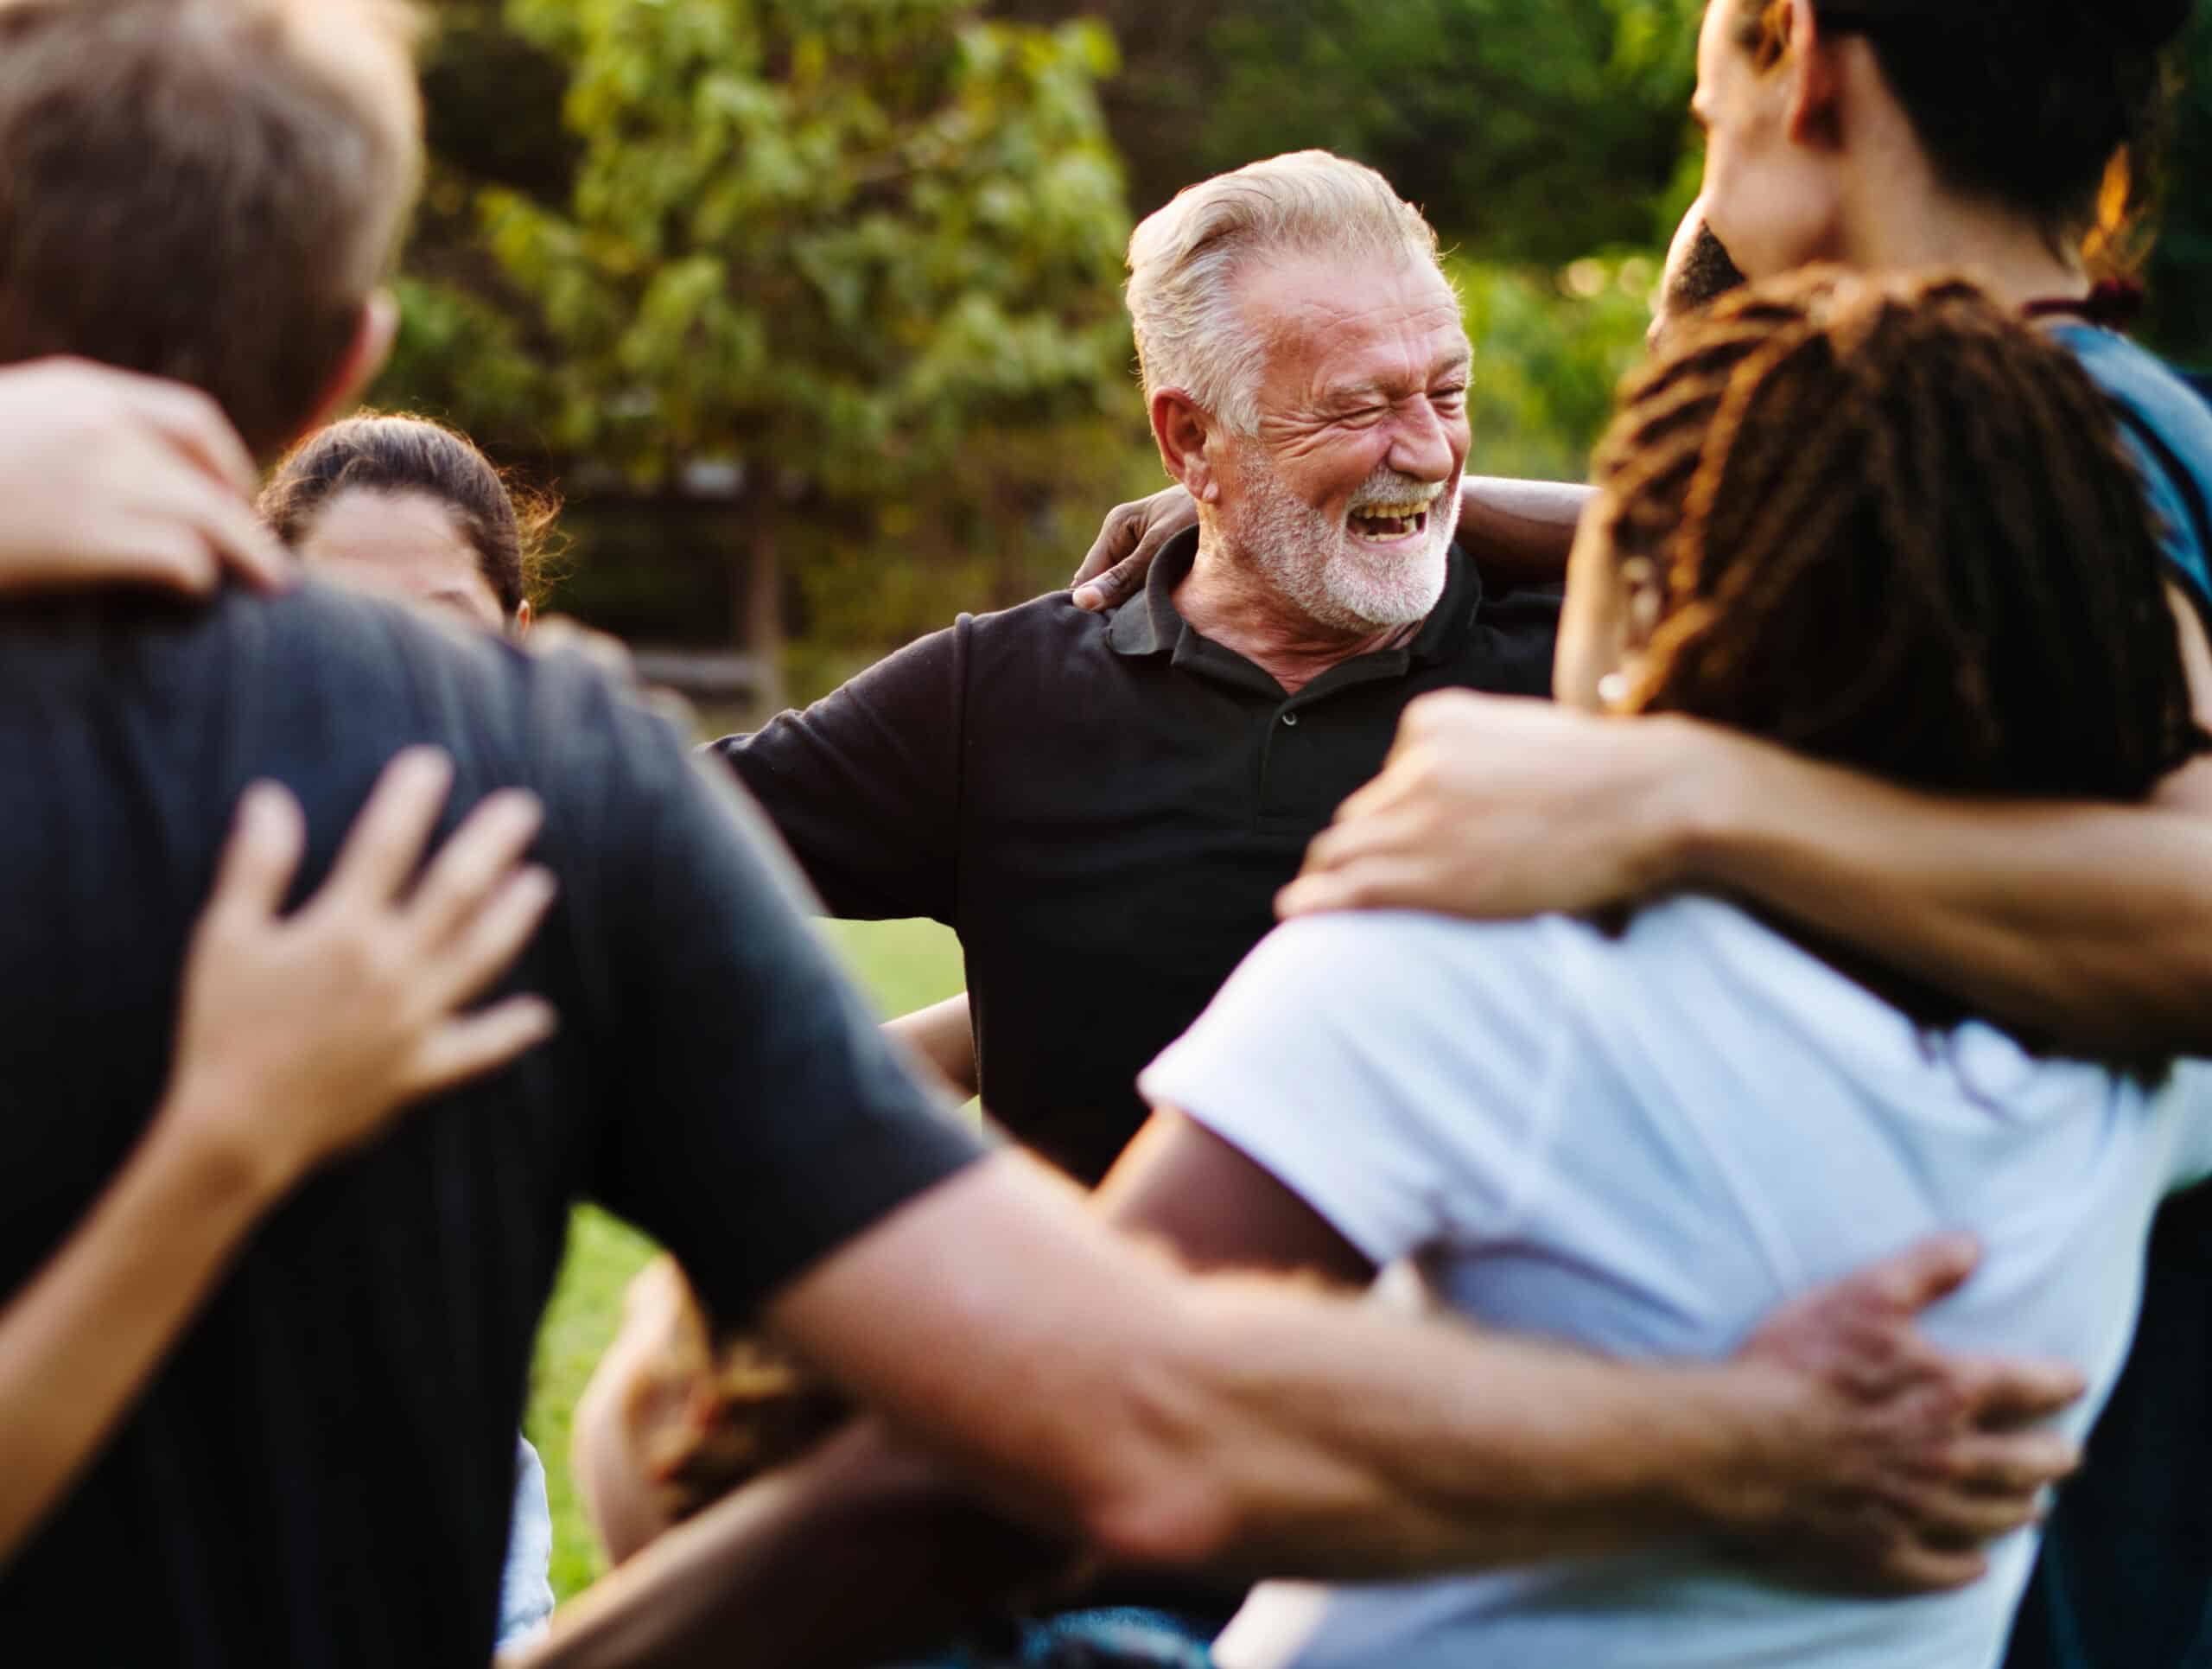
[
  {"x": 1379, "y": 1448},
  {"x": 78, "y": 1342},
  {"x": 769, "y": 1576},
  {"x": 2092, "y": 924},
  {"x": 944, "y": 1036},
  {"x": 1519, "y": 531}
]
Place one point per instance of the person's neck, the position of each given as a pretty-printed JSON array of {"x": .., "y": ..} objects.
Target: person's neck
[
  {"x": 1931, "y": 229},
  {"x": 1227, "y": 599}
]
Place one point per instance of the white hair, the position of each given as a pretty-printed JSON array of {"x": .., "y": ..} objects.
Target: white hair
[{"x": 1184, "y": 263}]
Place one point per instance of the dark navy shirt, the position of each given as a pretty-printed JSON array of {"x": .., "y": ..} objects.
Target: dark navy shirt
[
  {"x": 2125, "y": 1578},
  {"x": 321, "y": 1473},
  {"x": 1103, "y": 807}
]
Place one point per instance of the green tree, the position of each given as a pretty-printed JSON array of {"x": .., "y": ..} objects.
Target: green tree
[{"x": 819, "y": 247}]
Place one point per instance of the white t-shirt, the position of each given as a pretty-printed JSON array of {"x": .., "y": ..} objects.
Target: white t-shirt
[{"x": 1642, "y": 1146}]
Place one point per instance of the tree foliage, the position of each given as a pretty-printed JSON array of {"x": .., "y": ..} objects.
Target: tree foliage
[
  {"x": 865, "y": 255},
  {"x": 821, "y": 236}
]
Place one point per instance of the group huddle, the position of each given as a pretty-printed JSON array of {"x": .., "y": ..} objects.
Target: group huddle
[{"x": 1575, "y": 1075}]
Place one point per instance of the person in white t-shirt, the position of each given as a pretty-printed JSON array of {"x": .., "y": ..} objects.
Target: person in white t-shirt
[{"x": 1882, "y": 523}]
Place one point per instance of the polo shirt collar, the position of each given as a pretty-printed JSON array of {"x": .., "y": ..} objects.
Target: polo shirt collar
[{"x": 1148, "y": 624}]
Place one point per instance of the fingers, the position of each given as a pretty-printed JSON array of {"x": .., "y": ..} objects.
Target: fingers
[
  {"x": 494, "y": 935},
  {"x": 1123, "y": 527},
  {"x": 381, "y": 854},
  {"x": 2001, "y": 1396},
  {"x": 1378, "y": 884},
  {"x": 473, "y": 864},
  {"x": 2018, "y": 1466},
  {"x": 1914, "y": 1568},
  {"x": 263, "y": 853},
  {"x": 1155, "y": 522},
  {"x": 1916, "y": 1278},
  {"x": 206, "y": 527},
  {"x": 470, "y": 1047},
  {"x": 1116, "y": 586},
  {"x": 192, "y": 423}
]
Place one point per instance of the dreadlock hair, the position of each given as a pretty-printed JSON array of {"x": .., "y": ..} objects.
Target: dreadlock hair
[{"x": 1891, "y": 526}]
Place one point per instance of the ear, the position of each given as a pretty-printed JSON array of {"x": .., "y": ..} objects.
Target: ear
[
  {"x": 523, "y": 617},
  {"x": 1813, "y": 117},
  {"x": 373, "y": 335},
  {"x": 1182, "y": 427}
]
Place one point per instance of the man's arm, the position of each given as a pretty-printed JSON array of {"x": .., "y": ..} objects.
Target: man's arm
[
  {"x": 1249, "y": 1427},
  {"x": 2092, "y": 923},
  {"x": 943, "y": 1035},
  {"x": 864, "y": 785},
  {"x": 1100, "y": 1398}
]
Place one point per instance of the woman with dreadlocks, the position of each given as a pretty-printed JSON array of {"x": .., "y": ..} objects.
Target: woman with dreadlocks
[
  {"x": 1890, "y": 136},
  {"x": 1887, "y": 526}
]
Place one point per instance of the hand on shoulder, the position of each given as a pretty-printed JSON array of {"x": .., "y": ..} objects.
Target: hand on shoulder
[{"x": 110, "y": 477}]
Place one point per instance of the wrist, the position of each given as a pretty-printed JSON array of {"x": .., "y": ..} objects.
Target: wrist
[
  {"x": 214, "y": 1156},
  {"x": 1757, "y": 1425},
  {"x": 1694, "y": 806}
]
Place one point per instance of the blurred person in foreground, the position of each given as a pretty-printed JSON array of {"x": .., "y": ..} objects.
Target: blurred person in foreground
[
  {"x": 300, "y": 1035},
  {"x": 1533, "y": 1113},
  {"x": 321, "y": 1473}
]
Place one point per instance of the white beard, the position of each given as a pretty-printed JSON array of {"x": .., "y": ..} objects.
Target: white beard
[{"x": 1333, "y": 577}]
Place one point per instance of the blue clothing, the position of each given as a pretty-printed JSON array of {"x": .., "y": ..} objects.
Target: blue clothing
[
  {"x": 526, "y": 1585},
  {"x": 2126, "y": 1579},
  {"x": 1109, "y": 1637}
]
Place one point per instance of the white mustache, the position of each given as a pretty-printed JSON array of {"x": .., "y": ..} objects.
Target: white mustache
[{"x": 1389, "y": 487}]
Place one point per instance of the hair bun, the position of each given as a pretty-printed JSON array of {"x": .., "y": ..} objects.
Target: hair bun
[{"x": 2149, "y": 24}]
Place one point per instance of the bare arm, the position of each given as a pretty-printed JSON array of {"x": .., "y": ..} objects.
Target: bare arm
[
  {"x": 1248, "y": 1426},
  {"x": 300, "y": 1038},
  {"x": 944, "y": 1036},
  {"x": 1287, "y": 1433},
  {"x": 2092, "y": 923}
]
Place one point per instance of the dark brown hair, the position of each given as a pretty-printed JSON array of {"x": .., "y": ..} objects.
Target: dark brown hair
[
  {"x": 203, "y": 189},
  {"x": 1891, "y": 526},
  {"x": 2055, "y": 108},
  {"x": 508, "y": 526}
]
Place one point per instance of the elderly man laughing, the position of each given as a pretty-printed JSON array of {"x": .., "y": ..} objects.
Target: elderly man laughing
[{"x": 1103, "y": 806}]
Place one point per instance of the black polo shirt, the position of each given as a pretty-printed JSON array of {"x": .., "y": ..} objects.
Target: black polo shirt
[
  {"x": 321, "y": 1473},
  {"x": 1103, "y": 808}
]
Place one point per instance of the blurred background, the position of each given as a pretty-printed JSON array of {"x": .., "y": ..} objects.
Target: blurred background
[{"x": 812, "y": 308}]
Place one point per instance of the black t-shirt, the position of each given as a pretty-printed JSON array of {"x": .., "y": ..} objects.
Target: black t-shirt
[
  {"x": 321, "y": 1473},
  {"x": 1103, "y": 807}
]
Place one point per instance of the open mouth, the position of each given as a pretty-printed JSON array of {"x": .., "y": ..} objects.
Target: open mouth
[{"x": 1389, "y": 524}]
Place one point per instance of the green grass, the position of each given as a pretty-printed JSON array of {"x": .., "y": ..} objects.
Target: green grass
[{"x": 903, "y": 965}]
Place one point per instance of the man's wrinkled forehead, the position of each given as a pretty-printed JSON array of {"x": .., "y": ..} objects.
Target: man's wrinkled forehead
[{"x": 1338, "y": 322}]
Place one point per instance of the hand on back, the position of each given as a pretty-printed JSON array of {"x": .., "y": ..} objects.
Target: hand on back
[
  {"x": 110, "y": 477},
  {"x": 1895, "y": 1464},
  {"x": 300, "y": 1036}
]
